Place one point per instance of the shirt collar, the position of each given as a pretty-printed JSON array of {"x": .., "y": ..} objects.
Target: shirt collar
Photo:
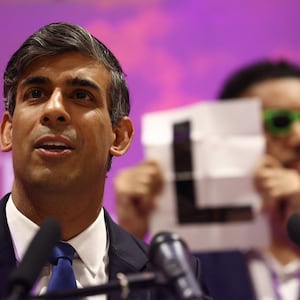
[
  {"x": 21, "y": 228},
  {"x": 292, "y": 269},
  {"x": 91, "y": 245},
  {"x": 282, "y": 271}
]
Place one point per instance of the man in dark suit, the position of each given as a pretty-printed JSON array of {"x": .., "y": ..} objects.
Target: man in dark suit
[{"x": 67, "y": 107}]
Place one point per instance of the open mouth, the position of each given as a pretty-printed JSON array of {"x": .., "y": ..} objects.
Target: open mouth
[{"x": 54, "y": 146}]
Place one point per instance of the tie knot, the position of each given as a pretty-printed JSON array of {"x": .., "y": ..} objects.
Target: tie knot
[{"x": 62, "y": 250}]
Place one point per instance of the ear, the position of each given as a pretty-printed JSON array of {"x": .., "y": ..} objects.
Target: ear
[
  {"x": 6, "y": 133},
  {"x": 123, "y": 135}
]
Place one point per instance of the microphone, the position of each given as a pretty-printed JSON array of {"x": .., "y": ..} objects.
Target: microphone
[
  {"x": 293, "y": 228},
  {"x": 171, "y": 256},
  {"x": 36, "y": 256}
]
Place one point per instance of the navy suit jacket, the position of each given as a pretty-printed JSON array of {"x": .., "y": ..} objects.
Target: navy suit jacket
[
  {"x": 127, "y": 254},
  {"x": 226, "y": 275}
]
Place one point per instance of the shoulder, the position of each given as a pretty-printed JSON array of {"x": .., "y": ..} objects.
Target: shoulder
[{"x": 125, "y": 247}]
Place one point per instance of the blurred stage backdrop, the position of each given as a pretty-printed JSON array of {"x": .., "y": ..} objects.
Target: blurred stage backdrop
[{"x": 174, "y": 52}]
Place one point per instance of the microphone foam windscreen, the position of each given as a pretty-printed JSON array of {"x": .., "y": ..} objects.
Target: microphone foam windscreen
[{"x": 36, "y": 255}]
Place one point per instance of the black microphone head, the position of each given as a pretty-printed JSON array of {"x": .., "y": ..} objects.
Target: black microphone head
[
  {"x": 167, "y": 251},
  {"x": 164, "y": 237},
  {"x": 170, "y": 255},
  {"x": 36, "y": 256},
  {"x": 293, "y": 228}
]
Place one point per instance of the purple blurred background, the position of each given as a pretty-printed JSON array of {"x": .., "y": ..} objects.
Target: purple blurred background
[{"x": 173, "y": 52}]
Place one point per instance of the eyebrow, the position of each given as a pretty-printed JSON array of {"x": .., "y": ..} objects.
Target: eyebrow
[
  {"x": 77, "y": 81},
  {"x": 35, "y": 80}
]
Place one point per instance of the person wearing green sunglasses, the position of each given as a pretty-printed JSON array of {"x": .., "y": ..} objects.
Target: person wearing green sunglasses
[
  {"x": 277, "y": 177},
  {"x": 234, "y": 274}
]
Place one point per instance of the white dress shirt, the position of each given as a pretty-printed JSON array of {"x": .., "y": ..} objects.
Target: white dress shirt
[
  {"x": 272, "y": 280},
  {"x": 91, "y": 245}
]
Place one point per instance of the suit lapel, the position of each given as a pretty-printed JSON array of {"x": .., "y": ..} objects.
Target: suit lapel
[
  {"x": 126, "y": 255},
  {"x": 7, "y": 255}
]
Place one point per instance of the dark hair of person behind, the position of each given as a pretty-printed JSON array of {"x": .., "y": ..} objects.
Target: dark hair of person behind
[
  {"x": 254, "y": 73},
  {"x": 58, "y": 38}
]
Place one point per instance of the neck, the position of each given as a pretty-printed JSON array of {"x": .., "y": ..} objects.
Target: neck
[
  {"x": 283, "y": 252},
  {"x": 74, "y": 211}
]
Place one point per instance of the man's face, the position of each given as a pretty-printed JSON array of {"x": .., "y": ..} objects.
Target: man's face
[
  {"x": 61, "y": 133},
  {"x": 281, "y": 94}
]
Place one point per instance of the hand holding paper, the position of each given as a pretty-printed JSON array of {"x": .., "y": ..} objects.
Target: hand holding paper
[{"x": 208, "y": 152}]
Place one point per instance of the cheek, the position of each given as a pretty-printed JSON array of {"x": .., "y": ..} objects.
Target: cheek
[
  {"x": 277, "y": 148},
  {"x": 100, "y": 134},
  {"x": 102, "y": 140},
  {"x": 20, "y": 131}
]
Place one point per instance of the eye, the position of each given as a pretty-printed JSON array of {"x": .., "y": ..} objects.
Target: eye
[
  {"x": 82, "y": 95},
  {"x": 34, "y": 93}
]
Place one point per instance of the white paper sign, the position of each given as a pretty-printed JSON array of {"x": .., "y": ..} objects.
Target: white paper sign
[{"x": 208, "y": 152}]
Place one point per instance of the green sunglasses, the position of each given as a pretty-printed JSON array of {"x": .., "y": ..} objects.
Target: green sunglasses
[{"x": 279, "y": 122}]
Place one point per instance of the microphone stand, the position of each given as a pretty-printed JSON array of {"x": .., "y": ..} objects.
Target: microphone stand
[{"x": 123, "y": 284}]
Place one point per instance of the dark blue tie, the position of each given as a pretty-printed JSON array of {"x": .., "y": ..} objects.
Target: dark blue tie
[{"x": 62, "y": 276}]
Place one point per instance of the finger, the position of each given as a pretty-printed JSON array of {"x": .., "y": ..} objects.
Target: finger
[{"x": 269, "y": 161}]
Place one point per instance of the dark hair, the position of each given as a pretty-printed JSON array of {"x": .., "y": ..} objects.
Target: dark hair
[
  {"x": 57, "y": 38},
  {"x": 254, "y": 73}
]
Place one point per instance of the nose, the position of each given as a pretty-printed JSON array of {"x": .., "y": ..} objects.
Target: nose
[
  {"x": 54, "y": 110},
  {"x": 294, "y": 139}
]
